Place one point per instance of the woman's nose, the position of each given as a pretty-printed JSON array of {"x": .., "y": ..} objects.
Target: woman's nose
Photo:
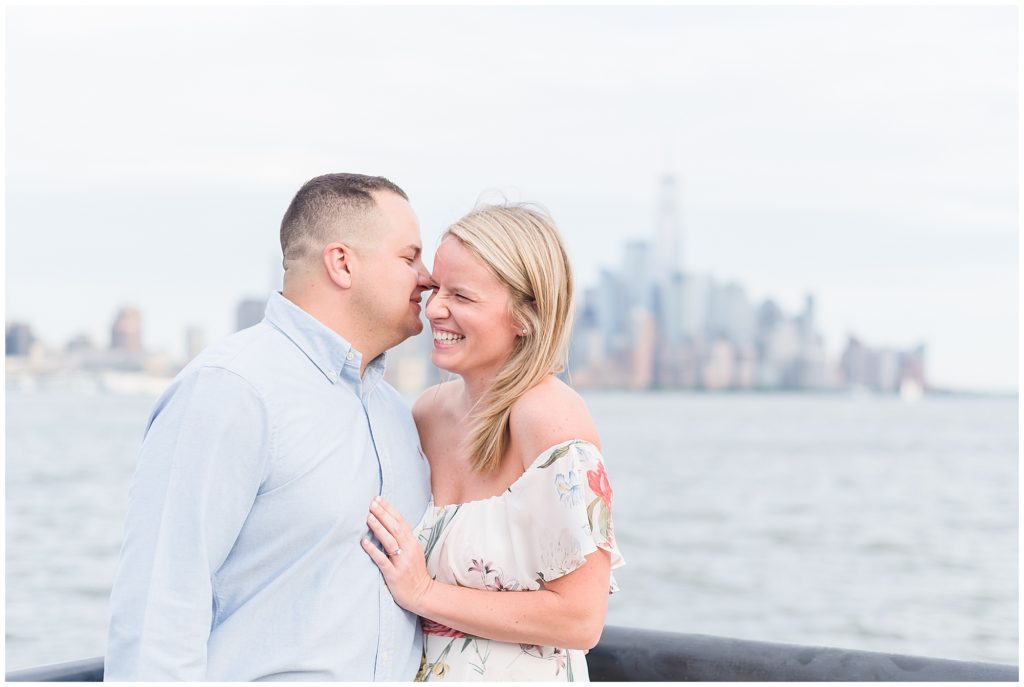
[{"x": 435, "y": 309}]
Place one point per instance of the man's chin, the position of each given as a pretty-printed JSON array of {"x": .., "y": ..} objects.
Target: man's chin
[{"x": 414, "y": 329}]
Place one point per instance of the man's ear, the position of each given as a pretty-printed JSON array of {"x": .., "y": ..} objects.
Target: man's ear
[{"x": 337, "y": 259}]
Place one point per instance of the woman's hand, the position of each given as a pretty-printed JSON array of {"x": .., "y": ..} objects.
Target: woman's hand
[{"x": 403, "y": 565}]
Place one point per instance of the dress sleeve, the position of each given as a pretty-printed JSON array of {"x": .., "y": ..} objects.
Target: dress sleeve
[{"x": 568, "y": 503}]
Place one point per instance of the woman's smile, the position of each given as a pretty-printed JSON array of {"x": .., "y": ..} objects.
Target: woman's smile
[{"x": 444, "y": 338}]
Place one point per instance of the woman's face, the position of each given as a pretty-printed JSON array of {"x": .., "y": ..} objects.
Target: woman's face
[{"x": 474, "y": 333}]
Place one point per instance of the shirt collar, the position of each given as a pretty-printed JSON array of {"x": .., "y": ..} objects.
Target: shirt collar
[{"x": 333, "y": 355}]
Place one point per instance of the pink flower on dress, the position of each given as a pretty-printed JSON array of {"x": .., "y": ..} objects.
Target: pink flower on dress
[
  {"x": 599, "y": 484},
  {"x": 502, "y": 586},
  {"x": 439, "y": 630},
  {"x": 481, "y": 566},
  {"x": 532, "y": 650},
  {"x": 559, "y": 658}
]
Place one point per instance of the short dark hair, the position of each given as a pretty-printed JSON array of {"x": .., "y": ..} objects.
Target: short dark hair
[{"x": 312, "y": 217}]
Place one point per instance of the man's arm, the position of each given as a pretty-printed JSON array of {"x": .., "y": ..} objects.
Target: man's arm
[{"x": 204, "y": 456}]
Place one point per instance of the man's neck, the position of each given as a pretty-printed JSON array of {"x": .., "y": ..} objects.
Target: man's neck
[{"x": 336, "y": 318}]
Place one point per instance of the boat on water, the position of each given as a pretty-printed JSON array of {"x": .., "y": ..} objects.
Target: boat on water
[{"x": 634, "y": 655}]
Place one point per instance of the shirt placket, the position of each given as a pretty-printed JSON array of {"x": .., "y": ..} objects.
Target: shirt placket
[{"x": 387, "y": 611}]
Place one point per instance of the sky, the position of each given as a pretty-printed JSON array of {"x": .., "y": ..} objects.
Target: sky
[{"x": 866, "y": 155}]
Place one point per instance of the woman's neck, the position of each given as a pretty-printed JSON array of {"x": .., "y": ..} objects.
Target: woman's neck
[{"x": 475, "y": 385}]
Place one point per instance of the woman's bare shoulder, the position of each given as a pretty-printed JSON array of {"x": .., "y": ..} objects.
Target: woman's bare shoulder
[{"x": 549, "y": 414}]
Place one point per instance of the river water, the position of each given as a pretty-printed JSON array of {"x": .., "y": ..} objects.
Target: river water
[{"x": 856, "y": 522}]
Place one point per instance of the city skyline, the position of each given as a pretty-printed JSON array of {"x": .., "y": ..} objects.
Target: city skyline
[
  {"x": 651, "y": 259},
  {"x": 724, "y": 361},
  {"x": 867, "y": 155},
  {"x": 647, "y": 325},
  {"x": 656, "y": 257}
]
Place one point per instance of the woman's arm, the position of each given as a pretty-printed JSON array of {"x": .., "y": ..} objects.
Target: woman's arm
[{"x": 567, "y": 612}]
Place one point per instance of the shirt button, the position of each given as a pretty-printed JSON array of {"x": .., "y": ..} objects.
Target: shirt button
[{"x": 349, "y": 356}]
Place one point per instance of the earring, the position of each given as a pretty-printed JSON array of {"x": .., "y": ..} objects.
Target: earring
[{"x": 524, "y": 331}]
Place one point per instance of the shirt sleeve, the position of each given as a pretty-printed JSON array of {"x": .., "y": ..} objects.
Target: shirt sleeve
[{"x": 203, "y": 459}]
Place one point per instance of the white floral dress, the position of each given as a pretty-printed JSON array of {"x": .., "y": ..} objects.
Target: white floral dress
[{"x": 557, "y": 512}]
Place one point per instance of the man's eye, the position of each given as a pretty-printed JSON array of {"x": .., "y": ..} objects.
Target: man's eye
[{"x": 461, "y": 297}]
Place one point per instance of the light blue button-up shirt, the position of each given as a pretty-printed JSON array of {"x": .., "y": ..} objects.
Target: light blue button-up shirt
[{"x": 241, "y": 557}]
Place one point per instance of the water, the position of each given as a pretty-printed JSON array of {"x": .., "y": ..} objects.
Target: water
[{"x": 852, "y": 522}]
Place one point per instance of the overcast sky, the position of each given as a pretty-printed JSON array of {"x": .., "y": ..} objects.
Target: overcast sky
[{"x": 867, "y": 155}]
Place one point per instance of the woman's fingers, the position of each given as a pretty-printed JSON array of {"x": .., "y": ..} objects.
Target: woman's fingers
[
  {"x": 397, "y": 525},
  {"x": 391, "y": 518},
  {"x": 405, "y": 570},
  {"x": 384, "y": 536},
  {"x": 382, "y": 561}
]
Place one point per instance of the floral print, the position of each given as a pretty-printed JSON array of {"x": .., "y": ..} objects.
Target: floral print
[
  {"x": 559, "y": 556},
  {"x": 481, "y": 567},
  {"x": 598, "y": 481},
  {"x": 438, "y": 630},
  {"x": 499, "y": 586},
  {"x": 568, "y": 488},
  {"x": 557, "y": 513}
]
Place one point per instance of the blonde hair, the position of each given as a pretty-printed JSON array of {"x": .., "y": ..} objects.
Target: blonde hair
[{"x": 522, "y": 248}]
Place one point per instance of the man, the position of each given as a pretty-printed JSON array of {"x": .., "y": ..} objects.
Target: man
[{"x": 241, "y": 558}]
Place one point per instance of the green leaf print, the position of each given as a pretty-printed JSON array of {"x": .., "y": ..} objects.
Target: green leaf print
[
  {"x": 557, "y": 453},
  {"x": 439, "y": 668},
  {"x": 590, "y": 511},
  {"x": 604, "y": 522},
  {"x": 436, "y": 529}
]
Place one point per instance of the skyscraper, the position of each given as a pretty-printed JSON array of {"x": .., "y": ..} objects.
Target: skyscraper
[
  {"x": 18, "y": 339},
  {"x": 126, "y": 332},
  {"x": 195, "y": 341},
  {"x": 668, "y": 232},
  {"x": 637, "y": 272}
]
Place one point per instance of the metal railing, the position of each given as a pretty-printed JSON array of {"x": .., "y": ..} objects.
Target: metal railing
[
  {"x": 627, "y": 654},
  {"x": 630, "y": 654}
]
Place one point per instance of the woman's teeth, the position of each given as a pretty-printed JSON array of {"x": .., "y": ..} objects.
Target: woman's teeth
[{"x": 447, "y": 337}]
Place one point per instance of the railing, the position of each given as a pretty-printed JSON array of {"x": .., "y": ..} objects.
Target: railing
[{"x": 628, "y": 654}]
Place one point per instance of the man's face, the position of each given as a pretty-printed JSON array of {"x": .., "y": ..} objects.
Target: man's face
[{"x": 392, "y": 277}]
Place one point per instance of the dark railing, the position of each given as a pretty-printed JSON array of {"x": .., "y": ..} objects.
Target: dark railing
[
  {"x": 86, "y": 670},
  {"x": 628, "y": 655}
]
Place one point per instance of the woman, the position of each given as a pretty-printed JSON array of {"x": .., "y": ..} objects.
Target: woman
[{"x": 521, "y": 500}]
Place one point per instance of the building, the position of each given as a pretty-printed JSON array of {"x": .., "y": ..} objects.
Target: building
[
  {"x": 126, "y": 332},
  {"x": 81, "y": 344},
  {"x": 195, "y": 341},
  {"x": 885, "y": 370},
  {"x": 18, "y": 339}
]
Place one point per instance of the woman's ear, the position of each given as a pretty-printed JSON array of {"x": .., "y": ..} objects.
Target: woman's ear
[
  {"x": 520, "y": 323},
  {"x": 338, "y": 262}
]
